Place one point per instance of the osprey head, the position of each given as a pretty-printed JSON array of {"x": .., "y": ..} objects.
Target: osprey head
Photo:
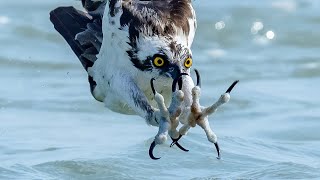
[{"x": 160, "y": 34}]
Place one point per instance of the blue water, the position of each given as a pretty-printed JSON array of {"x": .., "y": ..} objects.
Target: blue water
[{"x": 52, "y": 128}]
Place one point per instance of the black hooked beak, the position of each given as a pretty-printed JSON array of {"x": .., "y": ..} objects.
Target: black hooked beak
[
  {"x": 218, "y": 150},
  {"x": 174, "y": 71},
  {"x": 178, "y": 80},
  {"x": 198, "y": 78}
]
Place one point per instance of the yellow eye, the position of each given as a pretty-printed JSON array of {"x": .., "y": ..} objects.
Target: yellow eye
[
  {"x": 188, "y": 63},
  {"x": 158, "y": 61}
]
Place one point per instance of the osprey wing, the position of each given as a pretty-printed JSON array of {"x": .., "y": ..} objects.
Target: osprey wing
[{"x": 81, "y": 30}]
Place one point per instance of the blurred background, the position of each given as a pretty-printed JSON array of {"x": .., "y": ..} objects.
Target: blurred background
[{"x": 52, "y": 128}]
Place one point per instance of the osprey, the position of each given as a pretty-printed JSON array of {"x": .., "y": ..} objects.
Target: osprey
[{"x": 123, "y": 44}]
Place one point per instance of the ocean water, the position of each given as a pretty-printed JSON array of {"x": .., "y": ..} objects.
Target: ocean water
[{"x": 52, "y": 128}]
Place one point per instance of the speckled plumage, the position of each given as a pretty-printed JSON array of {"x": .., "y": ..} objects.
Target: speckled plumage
[{"x": 118, "y": 42}]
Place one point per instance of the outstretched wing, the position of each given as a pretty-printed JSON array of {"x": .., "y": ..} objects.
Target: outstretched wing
[{"x": 82, "y": 31}]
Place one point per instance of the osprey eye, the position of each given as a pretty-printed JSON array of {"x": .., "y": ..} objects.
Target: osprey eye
[
  {"x": 158, "y": 61},
  {"x": 188, "y": 63}
]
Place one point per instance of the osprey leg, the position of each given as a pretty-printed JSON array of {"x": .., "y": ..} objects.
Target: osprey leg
[
  {"x": 175, "y": 111},
  {"x": 199, "y": 115},
  {"x": 169, "y": 116}
]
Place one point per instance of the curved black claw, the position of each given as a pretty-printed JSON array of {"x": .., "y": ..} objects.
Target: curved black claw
[
  {"x": 232, "y": 86},
  {"x": 177, "y": 80},
  {"x": 198, "y": 78},
  {"x": 218, "y": 150},
  {"x": 152, "y": 86},
  {"x": 152, "y": 146},
  {"x": 175, "y": 142}
]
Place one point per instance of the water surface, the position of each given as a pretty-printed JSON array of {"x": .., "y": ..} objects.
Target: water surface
[{"x": 51, "y": 127}]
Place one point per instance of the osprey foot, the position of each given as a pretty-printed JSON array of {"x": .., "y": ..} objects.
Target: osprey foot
[
  {"x": 199, "y": 114},
  {"x": 168, "y": 116}
]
